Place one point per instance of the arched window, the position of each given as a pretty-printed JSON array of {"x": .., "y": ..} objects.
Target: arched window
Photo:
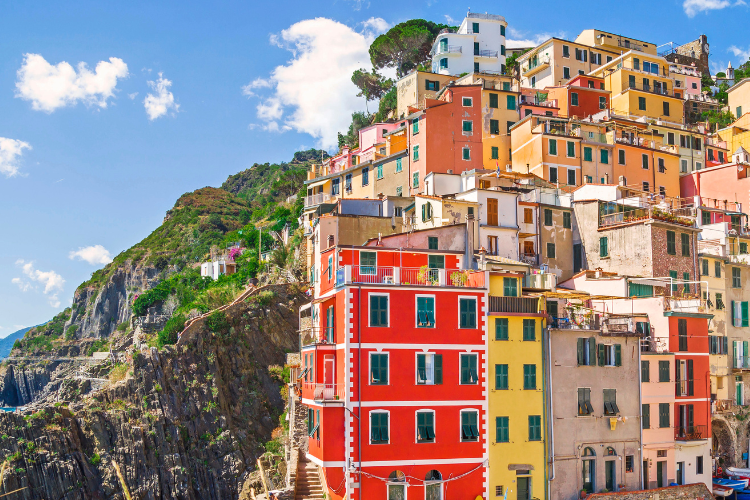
[
  {"x": 610, "y": 452},
  {"x": 433, "y": 486},
  {"x": 397, "y": 485},
  {"x": 588, "y": 469}
]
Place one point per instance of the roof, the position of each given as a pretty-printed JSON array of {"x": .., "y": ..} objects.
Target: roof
[
  {"x": 740, "y": 150},
  {"x": 504, "y": 260},
  {"x": 736, "y": 85}
]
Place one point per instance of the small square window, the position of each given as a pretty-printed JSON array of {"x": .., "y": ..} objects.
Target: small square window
[{"x": 467, "y": 102}]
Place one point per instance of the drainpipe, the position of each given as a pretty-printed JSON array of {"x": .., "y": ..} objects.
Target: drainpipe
[
  {"x": 359, "y": 384},
  {"x": 550, "y": 415},
  {"x": 640, "y": 398}
]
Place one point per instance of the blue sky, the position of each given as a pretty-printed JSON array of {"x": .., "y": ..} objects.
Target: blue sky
[{"x": 175, "y": 96}]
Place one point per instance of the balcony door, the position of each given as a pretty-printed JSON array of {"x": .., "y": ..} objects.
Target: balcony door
[{"x": 328, "y": 376}]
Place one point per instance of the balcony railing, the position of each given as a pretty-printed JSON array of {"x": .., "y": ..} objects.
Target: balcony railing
[
  {"x": 317, "y": 199},
  {"x": 486, "y": 53},
  {"x": 641, "y": 214},
  {"x": 741, "y": 362},
  {"x": 450, "y": 49},
  {"x": 535, "y": 65},
  {"x": 573, "y": 320},
  {"x": 691, "y": 433},
  {"x": 527, "y": 305},
  {"x": 661, "y": 90},
  {"x": 324, "y": 392},
  {"x": 421, "y": 276}
]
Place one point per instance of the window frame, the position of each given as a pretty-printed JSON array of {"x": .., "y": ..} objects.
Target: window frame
[
  {"x": 465, "y": 99},
  {"x": 416, "y": 426},
  {"x": 388, "y": 426},
  {"x": 460, "y": 427},
  {"x": 387, "y": 310},
  {"x": 416, "y": 310},
  {"x": 506, "y": 375},
  {"x": 476, "y": 312},
  {"x": 387, "y": 367},
  {"x": 461, "y": 355}
]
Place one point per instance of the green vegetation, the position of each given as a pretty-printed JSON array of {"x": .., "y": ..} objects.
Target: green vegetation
[
  {"x": 174, "y": 326},
  {"x": 99, "y": 345},
  {"x": 70, "y": 333},
  {"x": 217, "y": 321},
  {"x": 405, "y": 46},
  {"x": 95, "y": 459},
  {"x": 118, "y": 372}
]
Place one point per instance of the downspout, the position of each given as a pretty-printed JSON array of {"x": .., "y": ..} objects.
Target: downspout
[
  {"x": 539, "y": 228},
  {"x": 547, "y": 379},
  {"x": 640, "y": 398},
  {"x": 359, "y": 384}
]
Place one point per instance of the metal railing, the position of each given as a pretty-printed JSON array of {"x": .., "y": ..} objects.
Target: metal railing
[
  {"x": 420, "y": 276},
  {"x": 741, "y": 362},
  {"x": 631, "y": 45},
  {"x": 486, "y": 53},
  {"x": 638, "y": 214},
  {"x": 317, "y": 199},
  {"x": 576, "y": 321},
  {"x": 528, "y": 305},
  {"x": 536, "y": 63},
  {"x": 682, "y": 387},
  {"x": 324, "y": 392},
  {"x": 690, "y": 433},
  {"x": 450, "y": 49},
  {"x": 722, "y": 405},
  {"x": 660, "y": 90}
]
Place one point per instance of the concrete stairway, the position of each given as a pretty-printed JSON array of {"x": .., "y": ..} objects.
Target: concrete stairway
[{"x": 308, "y": 481}]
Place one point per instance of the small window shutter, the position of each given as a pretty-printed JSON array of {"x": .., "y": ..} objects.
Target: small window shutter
[
  {"x": 725, "y": 347},
  {"x": 745, "y": 320},
  {"x": 677, "y": 378},
  {"x": 592, "y": 351},
  {"x": 581, "y": 355},
  {"x": 734, "y": 316},
  {"x": 618, "y": 355},
  {"x": 421, "y": 370},
  {"x": 690, "y": 377},
  {"x": 438, "y": 366},
  {"x": 602, "y": 355},
  {"x": 744, "y": 349},
  {"x": 690, "y": 417}
]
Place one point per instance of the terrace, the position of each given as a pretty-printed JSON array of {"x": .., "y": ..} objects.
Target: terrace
[
  {"x": 412, "y": 276},
  {"x": 615, "y": 214}
]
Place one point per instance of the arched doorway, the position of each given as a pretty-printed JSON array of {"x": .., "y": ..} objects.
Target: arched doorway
[{"x": 722, "y": 443}]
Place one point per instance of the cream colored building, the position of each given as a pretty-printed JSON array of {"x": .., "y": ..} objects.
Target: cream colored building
[
  {"x": 414, "y": 88},
  {"x": 739, "y": 98},
  {"x": 614, "y": 43}
]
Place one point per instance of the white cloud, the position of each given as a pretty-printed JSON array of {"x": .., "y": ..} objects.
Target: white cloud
[
  {"x": 313, "y": 93},
  {"x": 53, "y": 282},
  {"x": 258, "y": 83},
  {"x": 741, "y": 54},
  {"x": 133, "y": 95},
  {"x": 518, "y": 38},
  {"x": 449, "y": 20},
  {"x": 358, "y": 4},
  {"x": 49, "y": 87},
  {"x": 692, "y": 7},
  {"x": 162, "y": 102},
  {"x": 10, "y": 152},
  {"x": 375, "y": 26},
  {"x": 95, "y": 254}
]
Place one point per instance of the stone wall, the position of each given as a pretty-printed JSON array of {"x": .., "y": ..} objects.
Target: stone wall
[{"x": 686, "y": 492}]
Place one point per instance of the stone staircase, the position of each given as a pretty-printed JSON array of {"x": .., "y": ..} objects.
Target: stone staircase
[{"x": 308, "y": 481}]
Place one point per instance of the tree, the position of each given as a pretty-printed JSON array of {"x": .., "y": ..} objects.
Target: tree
[
  {"x": 371, "y": 86},
  {"x": 351, "y": 138},
  {"x": 404, "y": 46},
  {"x": 387, "y": 103},
  {"x": 720, "y": 119},
  {"x": 511, "y": 61}
]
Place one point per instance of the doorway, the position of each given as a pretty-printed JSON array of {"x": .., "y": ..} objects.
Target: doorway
[
  {"x": 610, "y": 475},
  {"x": 661, "y": 471},
  {"x": 328, "y": 367}
]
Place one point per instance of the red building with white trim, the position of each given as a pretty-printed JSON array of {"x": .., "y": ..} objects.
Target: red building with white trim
[{"x": 393, "y": 375}]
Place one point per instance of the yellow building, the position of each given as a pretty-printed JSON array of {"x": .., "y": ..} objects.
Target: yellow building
[
  {"x": 517, "y": 422},
  {"x": 414, "y": 88},
  {"x": 738, "y": 97},
  {"x": 641, "y": 86},
  {"x": 737, "y": 134},
  {"x": 613, "y": 42}
]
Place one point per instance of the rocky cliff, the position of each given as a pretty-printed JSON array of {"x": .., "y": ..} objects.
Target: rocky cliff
[{"x": 187, "y": 422}]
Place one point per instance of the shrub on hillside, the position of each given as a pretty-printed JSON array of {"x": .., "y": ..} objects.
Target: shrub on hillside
[{"x": 168, "y": 335}]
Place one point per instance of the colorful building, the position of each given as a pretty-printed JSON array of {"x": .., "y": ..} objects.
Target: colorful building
[
  {"x": 580, "y": 97},
  {"x": 478, "y": 46}
]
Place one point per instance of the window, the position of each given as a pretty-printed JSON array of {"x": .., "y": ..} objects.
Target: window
[
  {"x": 476, "y": 67},
  {"x": 682, "y": 335},
  {"x": 425, "y": 427},
  {"x": 644, "y": 161},
  {"x": 621, "y": 156},
  {"x": 717, "y": 268},
  {"x": 335, "y": 186},
  {"x": 509, "y": 125},
  {"x": 348, "y": 183},
  {"x": 415, "y": 180},
  {"x": 610, "y": 402},
  {"x": 550, "y": 250},
  {"x": 631, "y": 81},
  {"x": 670, "y": 138},
  {"x": 468, "y": 369},
  {"x": 378, "y": 427},
  {"x": 365, "y": 176},
  {"x": 529, "y": 377},
  {"x": 552, "y": 146},
  {"x": 645, "y": 186},
  {"x": 738, "y": 112},
  {"x": 642, "y": 103},
  {"x": 379, "y": 170},
  {"x": 475, "y": 27},
  {"x": 529, "y": 329},
  {"x": 378, "y": 369},
  {"x": 329, "y": 324},
  {"x": 698, "y": 459},
  {"x": 493, "y": 101},
  {"x": 610, "y": 354},
  {"x": 671, "y": 245},
  {"x": 396, "y": 486},
  {"x": 399, "y": 165},
  {"x": 415, "y": 153},
  {"x": 399, "y": 192},
  {"x": 665, "y": 108},
  {"x": 468, "y": 313},
  {"x": 586, "y": 353},
  {"x": 588, "y": 154},
  {"x": 466, "y": 153},
  {"x": 673, "y": 275},
  {"x": 663, "y": 371},
  {"x": 645, "y": 371},
  {"x": 571, "y": 177},
  {"x": 584, "y": 401},
  {"x": 566, "y": 72},
  {"x": 645, "y": 416},
  {"x": 367, "y": 263},
  {"x": 495, "y": 127},
  {"x": 664, "y": 415},
  {"x": 685, "y": 244},
  {"x": 378, "y": 310},
  {"x": 662, "y": 191},
  {"x": 502, "y": 434},
  {"x": 535, "y": 428},
  {"x": 736, "y": 278},
  {"x": 501, "y": 328},
  {"x": 528, "y": 216},
  {"x": 565, "y": 51},
  {"x": 436, "y": 261},
  {"x": 553, "y": 174},
  {"x": 495, "y": 151},
  {"x": 566, "y": 220},
  {"x": 573, "y": 99},
  {"x": 662, "y": 168},
  {"x": 571, "y": 149},
  {"x": 603, "y": 156},
  {"x": 602, "y": 103},
  {"x": 511, "y": 102},
  {"x": 444, "y": 63},
  {"x": 425, "y": 312},
  {"x": 467, "y": 126},
  {"x": 547, "y": 217},
  {"x": 506, "y": 85},
  {"x": 469, "y": 425},
  {"x": 533, "y": 82},
  {"x": 502, "y": 30},
  {"x": 719, "y": 301},
  {"x": 510, "y": 287},
  {"x": 432, "y": 84},
  {"x": 466, "y": 102},
  {"x": 501, "y": 377}
]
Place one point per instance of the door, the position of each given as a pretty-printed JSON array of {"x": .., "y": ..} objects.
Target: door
[
  {"x": 492, "y": 211},
  {"x": 528, "y": 248},
  {"x": 577, "y": 257},
  {"x": 645, "y": 475},
  {"x": 661, "y": 471},
  {"x": 588, "y": 476},
  {"x": 680, "y": 471},
  {"x": 610, "y": 475},
  {"x": 329, "y": 388},
  {"x": 523, "y": 491}
]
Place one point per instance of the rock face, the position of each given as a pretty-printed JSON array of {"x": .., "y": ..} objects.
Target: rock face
[{"x": 187, "y": 423}]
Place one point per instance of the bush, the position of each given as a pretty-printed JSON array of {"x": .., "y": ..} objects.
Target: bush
[
  {"x": 274, "y": 447},
  {"x": 17, "y": 344},
  {"x": 71, "y": 332},
  {"x": 98, "y": 346},
  {"x": 95, "y": 459},
  {"x": 123, "y": 326},
  {"x": 168, "y": 336},
  {"x": 217, "y": 321},
  {"x": 118, "y": 372}
]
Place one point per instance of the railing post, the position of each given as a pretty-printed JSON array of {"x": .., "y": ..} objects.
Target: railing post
[
  {"x": 347, "y": 274},
  {"x": 396, "y": 275},
  {"x": 441, "y": 277}
]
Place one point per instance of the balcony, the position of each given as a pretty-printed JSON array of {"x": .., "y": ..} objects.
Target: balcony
[
  {"x": 723, "y": 406},
  {"x": 317, "y": 199},
  {"x": 447, "y": 49},
  {"x": 536, "y": 65},
  {"x": 629, "y": 215},
  {"x": 492, "y": 54},
  {"x": 576, "y": 320},
  {"x": 741, "y": 363},
  {"x": 522, "y": 305},
  {"x": 684, "y": 388},
  {"x": 691, "y": 433},
  {"x": 628, "y": 45},
  {"x": 419, "y": 276},
  {"x": 660, "y": 90},
  {"x": 333, "y": 393}
]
